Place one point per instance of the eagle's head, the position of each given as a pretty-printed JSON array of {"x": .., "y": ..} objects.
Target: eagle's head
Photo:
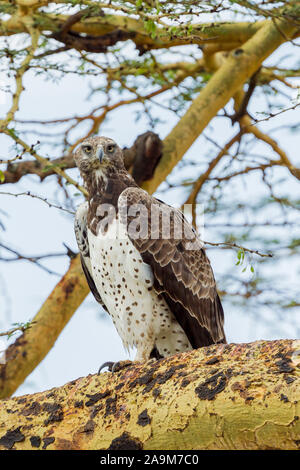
[{"x": 98, "y": 153}]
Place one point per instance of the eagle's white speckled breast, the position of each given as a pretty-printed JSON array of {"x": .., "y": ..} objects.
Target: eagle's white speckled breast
[{"x": 125, "y": 283}]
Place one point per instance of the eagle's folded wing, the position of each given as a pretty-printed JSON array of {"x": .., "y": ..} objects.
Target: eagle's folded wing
[
  {"x": 182, "y": 271},
  {"x": 80, "y": 226}
]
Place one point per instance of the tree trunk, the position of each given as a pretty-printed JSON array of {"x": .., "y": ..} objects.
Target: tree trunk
[{"x": 236, "y": 396}]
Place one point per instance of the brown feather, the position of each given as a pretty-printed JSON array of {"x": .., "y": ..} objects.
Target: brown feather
[{"x": 183, "y": 276}]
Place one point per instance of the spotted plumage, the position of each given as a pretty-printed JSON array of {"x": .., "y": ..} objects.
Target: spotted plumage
[{"x": 159, "y": 290}]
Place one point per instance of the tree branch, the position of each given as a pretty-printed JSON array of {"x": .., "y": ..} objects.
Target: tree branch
[
  {"x": 239, "y": 67},
  {"x": 101, "y": 25},
  {"x": 33, "y": 345},
  {"x": 44, "y": 162},
  {"x": 134, "y": 156},
  {"x": 236, "y": 396}
]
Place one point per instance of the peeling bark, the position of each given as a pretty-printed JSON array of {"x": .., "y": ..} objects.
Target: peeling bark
[{"x": 236, "y": 396}]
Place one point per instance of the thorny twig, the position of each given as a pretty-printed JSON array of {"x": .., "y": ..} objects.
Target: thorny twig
[
  {"x": 35, "y": 196},
  {"x": 33, "y": 259},
  {"x": 234, "y": 245},
  {"x": 18, "y": 327}
]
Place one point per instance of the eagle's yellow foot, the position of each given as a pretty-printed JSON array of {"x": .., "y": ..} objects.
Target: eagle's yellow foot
[{"x": 115, "y": 366}]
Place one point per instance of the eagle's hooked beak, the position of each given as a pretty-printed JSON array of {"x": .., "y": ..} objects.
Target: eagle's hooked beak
[{"x": 100, "y": 154}]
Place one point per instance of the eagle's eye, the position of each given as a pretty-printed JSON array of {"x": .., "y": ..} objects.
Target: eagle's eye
[
  {"x": 87, "y": 149},
  {"x": 110, "y": 148}
]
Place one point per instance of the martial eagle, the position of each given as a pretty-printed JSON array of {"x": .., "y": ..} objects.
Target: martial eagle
[{"x": 159, "y": 290}]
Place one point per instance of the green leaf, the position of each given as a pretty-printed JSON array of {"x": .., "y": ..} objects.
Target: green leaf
[
  {"x": 240, "y": 257},
  {"x": 13, "y": 133},
  {"x": 150, "y": 27},
  {"x": 2, "y": 177}
]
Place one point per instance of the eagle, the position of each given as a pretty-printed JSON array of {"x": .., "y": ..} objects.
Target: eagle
[{"x": 143, "y": 261}]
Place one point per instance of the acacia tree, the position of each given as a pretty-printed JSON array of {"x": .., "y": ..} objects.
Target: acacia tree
[{"x": 207, "y": 65}]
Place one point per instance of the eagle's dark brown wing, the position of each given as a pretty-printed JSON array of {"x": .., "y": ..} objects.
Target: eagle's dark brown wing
[
  {"x": 182, "y": 271},
  {"x": 90, "y": 282},
  {"x": 80, "y": 227}
]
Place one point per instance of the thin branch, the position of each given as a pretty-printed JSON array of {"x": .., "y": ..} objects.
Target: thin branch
[
  {"x": 243, "y": 108},
  {"x": 239, "y": 247},
  {"x": 272, "y": 115},
  {"x": 19, "y": 327},
  {"x": 19, "y": 80},
  {"x": 35, "y": 196},
  {"x": 44, "y": 161},
  {"x": 204, "y": 177},
  {"x": 32, "y": 259}
]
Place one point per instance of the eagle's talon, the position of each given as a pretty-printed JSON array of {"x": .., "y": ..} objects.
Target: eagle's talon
[
  {"x": 119, "y": 365},
  {"x": 108, "y": 364},
  {"x": 114, "y": 366}
]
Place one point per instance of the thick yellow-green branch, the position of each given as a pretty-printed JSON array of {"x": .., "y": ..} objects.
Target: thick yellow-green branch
[
  {"x": 236, "y": 396},
  {"x": 233, "y": 32}
]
